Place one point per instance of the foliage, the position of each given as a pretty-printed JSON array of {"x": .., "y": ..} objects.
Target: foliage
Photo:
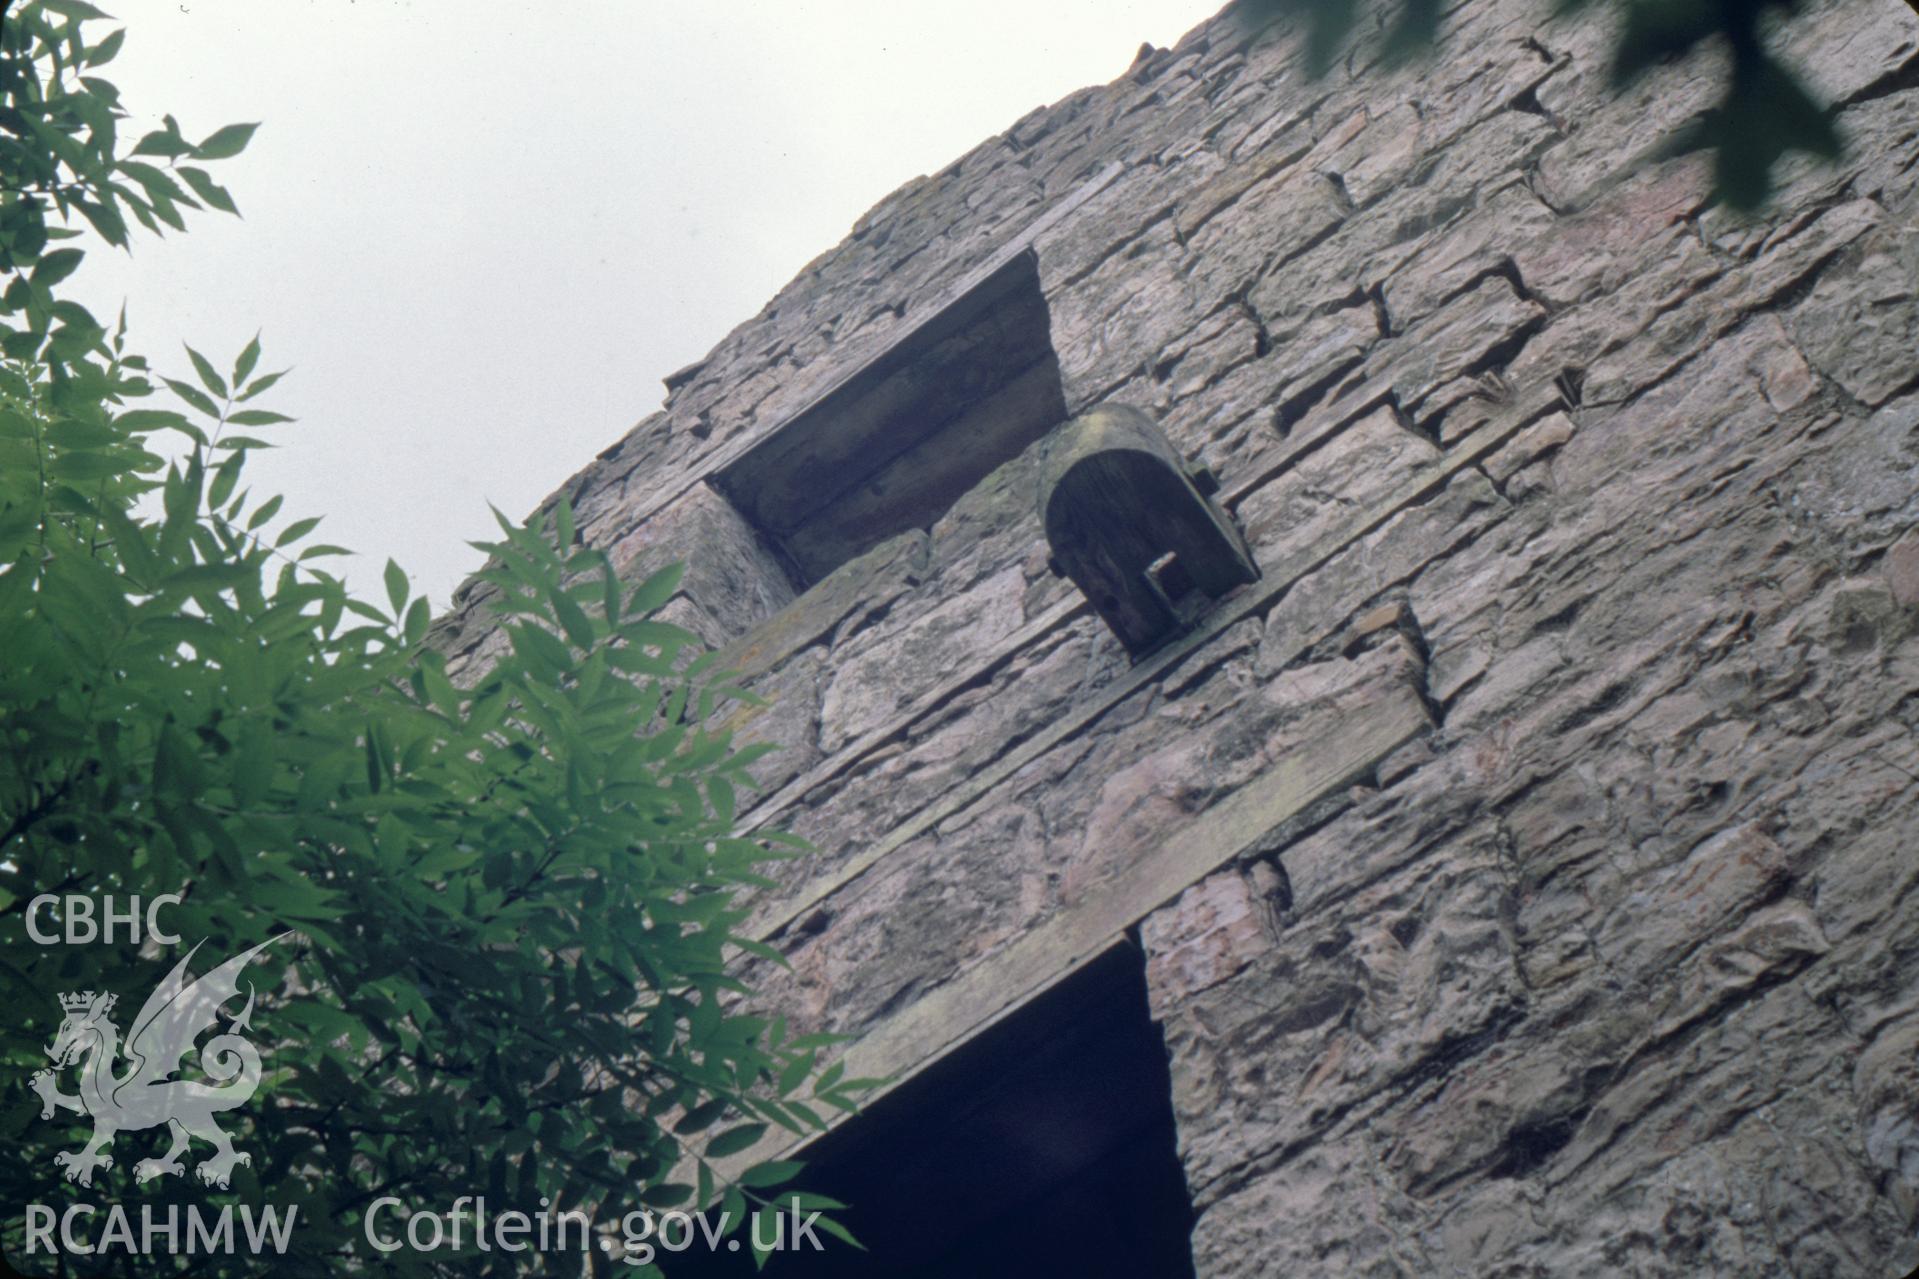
[
  {"x": 1764, "y": 113},
  {"x": 512, "y": 910}
]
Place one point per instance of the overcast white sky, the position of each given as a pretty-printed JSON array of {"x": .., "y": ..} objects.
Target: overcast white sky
[{"x": 481, "y": 232}]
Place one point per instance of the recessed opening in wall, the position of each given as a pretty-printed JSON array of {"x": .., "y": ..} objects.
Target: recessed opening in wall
[
  {"x": 1042, "y": 1148},
  {"x": 898, "y": 441}
]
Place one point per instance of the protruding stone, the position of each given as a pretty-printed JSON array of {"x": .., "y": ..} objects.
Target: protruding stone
[
  {"x": 1901, "y": 569},
  {"x": 1131, "y": 529}
]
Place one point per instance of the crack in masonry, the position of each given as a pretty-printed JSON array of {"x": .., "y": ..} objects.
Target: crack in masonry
[
  {"x": 1332, "y": 306},
  {"x": 1343, "y": 643},
  {"x": 1527, "y": 101},
  {"x": 1414, "y": 633},
  {"x": 1426, "y": 431},
  {"x": 1338, "y": 183},
  {"x": 1571, "y": 382},
  {"x": 1505, "y": 268},
  {"x": 1262, "y": 336},
  {"x": 1382, "y": 315},
  {"x": 1292, "y": 410},
  {"x": 1162, "y": 372},
  {"x": 1531, "y": 177},
  {"x": 1534, "y": 44},
  {"x": 1507, "y": 349},
  {"x": 1499, "y": 486}
]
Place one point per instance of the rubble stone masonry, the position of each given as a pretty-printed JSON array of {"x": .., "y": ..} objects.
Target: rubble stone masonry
[{"x": 1528, "y": 863}]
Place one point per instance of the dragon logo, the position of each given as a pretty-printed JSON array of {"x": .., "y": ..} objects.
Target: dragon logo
[{"x": 144, "y": 1094}]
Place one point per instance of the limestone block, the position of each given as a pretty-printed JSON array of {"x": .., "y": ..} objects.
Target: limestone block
[
  {"x": 1346, "y": 1003},
  {"x": 1479, "y": 242},
  {"x": 1212, "y": 932},
  {"x": 1478, "y": 330},
  {"x": 1107, "y": 325},
  {"x": 1290, "y": 515},
  {"x": 1785, "y": 260},
  {"x": 1328, "y": 1212},
  {"x": 846, "y": 599},
  {"x": 1679, "y": 907},
  {"x": 1861, "y": 327},
  {"x": 731, "y": 573},
  {"x": 1541, "y": 437},
  {"x": 1901, "y": 570},
  {"x": 1886, "y": 1083},
  {"x": 878, "y": 673}
]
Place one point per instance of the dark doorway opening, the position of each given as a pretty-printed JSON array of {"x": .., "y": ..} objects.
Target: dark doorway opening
[{"x": 1042, "y": 1149}]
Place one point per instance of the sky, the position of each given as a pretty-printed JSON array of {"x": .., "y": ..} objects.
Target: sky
[{"x": 481, "y": 232}]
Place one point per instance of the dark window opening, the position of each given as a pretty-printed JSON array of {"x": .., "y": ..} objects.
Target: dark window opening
[
  {"x": 1043, "y": 1149},
  {"x": 896, "y": 443}
]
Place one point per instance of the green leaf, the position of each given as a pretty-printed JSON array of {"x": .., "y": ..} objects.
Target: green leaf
[
  {"x": 734, "y": 1140},
  {"x": 104, "y": 52},
  {"x": 773, "y": 1172},
  {"x": 243, "y": 367},
  {"x": 795, "y": 1073},
  {"x": 702, "y": 1116},
  {"x": 57, "y": 266},
  {"x": 193, "y": 396},
  {"x": 135, "y": 420},
  {"x": 655, "y": 590},
  {"x": 666, "y": 1194},
  {"x": 418, "y": 617},
  {"x": 299, "y": 529},
  {"x": 71, "y": 433},
  {"x": 264, "y": 382},
  {"x": 105, "y": 219},
  {"x": 396, "y": 586},
  {"x": 838, "y": 1231},
  {"x": 439, "y": 689},
  {"x": 77, "y": 9},
  {"x": 225, "y": 143},
  {"x": 208, "y": 378},
  {"x": 610, "y": 592},
  {"x": 266, "y": 511},
  {"x": 161, "y": 142},
  {"x": 732, "y": 1210},
  {"x": 225, "y": 476},
  {"x": 157, "y": 183},
  {"x": 256, "y": 417},
  {"x": 85, "y": 468},
  {"x": 201, "y": 577},
  {"x": 572, "y": 618},
  {"x": 213, "y": 193}
]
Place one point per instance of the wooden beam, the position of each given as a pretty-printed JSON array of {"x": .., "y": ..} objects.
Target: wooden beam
[
  {"x": 925, "y": 1031},
  {"x": 1253, "y": 600}
]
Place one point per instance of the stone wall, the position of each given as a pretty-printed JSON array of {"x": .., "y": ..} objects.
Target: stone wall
[{"x": 1528, "y": 863}]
